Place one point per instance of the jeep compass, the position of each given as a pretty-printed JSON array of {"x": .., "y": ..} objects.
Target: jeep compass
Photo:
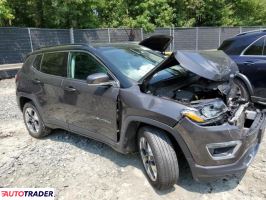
[{"x": 134, "y": 99}]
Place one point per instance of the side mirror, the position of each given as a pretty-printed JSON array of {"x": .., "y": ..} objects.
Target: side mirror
[{"x": 99, "y": 79}]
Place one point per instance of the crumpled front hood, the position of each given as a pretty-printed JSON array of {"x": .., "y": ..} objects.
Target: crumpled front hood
[{"x": 212, "y": 65}]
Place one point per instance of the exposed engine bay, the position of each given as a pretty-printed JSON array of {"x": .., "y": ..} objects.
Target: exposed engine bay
[{"x": 211, "y": 102}]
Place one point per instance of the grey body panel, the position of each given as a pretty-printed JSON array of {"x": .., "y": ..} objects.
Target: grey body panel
[
  {"x": 90, "y": 108},
  {"x": 212, "y": 65},
  {"x": 92, "y": 111}
]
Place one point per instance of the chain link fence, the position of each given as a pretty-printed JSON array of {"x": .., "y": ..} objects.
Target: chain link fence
[{"x": 15, "y": 43}]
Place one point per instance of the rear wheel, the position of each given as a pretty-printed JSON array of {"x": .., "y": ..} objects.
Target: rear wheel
[
  {"x": 158, "y": 157},
  {"x": 33, "y": 121}
]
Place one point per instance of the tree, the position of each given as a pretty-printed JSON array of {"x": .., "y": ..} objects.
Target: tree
[
  {"x": 249, "y": 12},
  {"x": 55, "y": 13},
  {"x": 147, "y": 14},
  {"x": 5, "y": 13},
  {"x": 219, "y": 12}
]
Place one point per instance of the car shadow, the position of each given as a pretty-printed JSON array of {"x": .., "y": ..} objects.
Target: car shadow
[{"x": 185, "y": 177}]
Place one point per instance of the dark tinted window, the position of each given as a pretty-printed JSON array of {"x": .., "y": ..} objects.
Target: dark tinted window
[
  {"x": 83, "y": 65},
  {"x": 256, "y": 48},
  {"x": 37, "y": 62},
  {"x": 55, "y": 63},
  {"x": 225, "y": 45}
]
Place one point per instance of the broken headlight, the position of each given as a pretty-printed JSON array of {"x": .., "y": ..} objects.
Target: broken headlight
[{"x": 205, "y": 111}]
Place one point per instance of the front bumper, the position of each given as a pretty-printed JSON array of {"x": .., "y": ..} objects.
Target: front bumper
[{"x": 202, "y": 164}]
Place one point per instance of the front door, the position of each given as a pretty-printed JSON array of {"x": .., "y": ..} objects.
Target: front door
[{"x": 90, "y": 109}]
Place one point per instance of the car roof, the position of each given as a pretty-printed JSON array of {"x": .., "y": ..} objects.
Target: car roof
[
  {"x": 249, "y": 35},
  {"x": 253, "y": 32},
  {"x": 241, "y": 41},
  {"x": 84, "y": 46}
]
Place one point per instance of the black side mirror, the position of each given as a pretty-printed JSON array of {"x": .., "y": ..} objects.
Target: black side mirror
[{"x": 99, "y": 78}]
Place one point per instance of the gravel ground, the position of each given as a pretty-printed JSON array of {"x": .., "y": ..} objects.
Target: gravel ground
[{"x": 80, "y": 168}]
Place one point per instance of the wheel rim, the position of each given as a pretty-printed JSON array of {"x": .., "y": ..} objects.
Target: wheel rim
[
  {"x": 148, "y": 159},
  {"x": 240, "y": 93},
  {"x": 32, "y": 120}
]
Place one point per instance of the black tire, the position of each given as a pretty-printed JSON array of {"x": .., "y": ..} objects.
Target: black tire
[
  {"x": 243, "y": 89},
  {"x": 164, "y": 155},
  {"x": 42, "y": 130}
]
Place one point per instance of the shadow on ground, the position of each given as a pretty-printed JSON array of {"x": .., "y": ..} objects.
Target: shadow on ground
[{"x": 185, "y": 178}]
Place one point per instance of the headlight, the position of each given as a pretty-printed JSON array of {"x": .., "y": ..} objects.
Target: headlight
[
  {"x": 207, "y": 111},
  {"x": 194, "y": 115}
]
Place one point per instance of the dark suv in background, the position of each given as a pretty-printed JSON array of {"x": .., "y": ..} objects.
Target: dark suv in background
[
  {"x": 134, "y": 99},
  {"x": 248, "y": 50}
]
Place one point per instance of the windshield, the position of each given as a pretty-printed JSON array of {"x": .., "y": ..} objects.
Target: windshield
[{"x": 133, "y": 61}]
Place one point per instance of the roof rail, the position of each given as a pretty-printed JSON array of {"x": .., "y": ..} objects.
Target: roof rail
[
  {"x": 62, "y": 45},
  {"x": 253, "y": 31}
]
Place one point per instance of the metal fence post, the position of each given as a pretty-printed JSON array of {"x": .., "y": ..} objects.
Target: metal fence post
[
  {"x": 31, "y": 47},
  {"x": 197, "y": 38},
  {"x": 170, "y": 32},
  {"x": 220, "y": 30},
  {"x": 240, "y": 29},
  {"x": 109, "y": 37},
  {"x": 71, "y": 34},
  {"x": 141, "y": 32},
  {"x": 173, "y": 35}
]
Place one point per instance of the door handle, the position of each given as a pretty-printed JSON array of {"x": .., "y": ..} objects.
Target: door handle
[
  {"x": 249, "y": 63},
  {"x": 37, "y": 81},
  {"x": 70, "y": 89}
]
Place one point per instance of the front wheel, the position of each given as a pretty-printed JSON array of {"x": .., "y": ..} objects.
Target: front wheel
[{"x": 158, "y": 157}]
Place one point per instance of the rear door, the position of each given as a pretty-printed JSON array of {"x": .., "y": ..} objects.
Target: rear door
[
  {"x": 47, "y": 79},
  {"x": 252, "y": 63},
  {"x": 91, "y": 109}
]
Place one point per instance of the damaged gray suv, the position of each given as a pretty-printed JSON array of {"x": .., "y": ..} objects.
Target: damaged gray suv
[{"x": 131, "y": 97}]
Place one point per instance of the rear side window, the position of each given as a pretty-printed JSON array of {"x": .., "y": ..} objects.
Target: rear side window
[
  {"x": 37, "y": 62},
  {"x": 256, "y": 48},
  {"x": 225, "y": 45},
  {"x": 233, "y": 47},
  {"x": 55, "y": 63}
]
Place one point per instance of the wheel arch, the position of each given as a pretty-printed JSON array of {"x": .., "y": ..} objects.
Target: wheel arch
[
  {"x": 247, "y": 83},
  {"x": 22, "y": 101},
  {"x": 132, "y": 124}
]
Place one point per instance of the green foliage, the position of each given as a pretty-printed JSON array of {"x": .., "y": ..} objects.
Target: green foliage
[
  {"x": 5, "y": 13},
  {"x": 147, "y": 14}
]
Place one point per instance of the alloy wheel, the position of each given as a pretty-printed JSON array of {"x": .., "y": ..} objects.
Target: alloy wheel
[
  {"x": 32, "y": 120},
  {"x": 148, "y": 158}
]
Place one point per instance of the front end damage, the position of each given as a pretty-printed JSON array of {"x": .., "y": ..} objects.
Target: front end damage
[
  {"x": 220, "y": 127},
  {"x": 225, "y": 137},
  {"x": 224, "y": 149}
]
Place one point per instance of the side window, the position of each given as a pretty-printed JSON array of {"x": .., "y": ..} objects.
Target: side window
[
  {"x": 83, "y": 65},
  {"x": 55, "y": 63},
  {"x": 256, "y": 48},
  {"x": 37, "y": 62}
]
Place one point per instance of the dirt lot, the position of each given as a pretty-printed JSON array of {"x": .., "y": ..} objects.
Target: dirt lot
[{"x": 80, "y": 168}]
